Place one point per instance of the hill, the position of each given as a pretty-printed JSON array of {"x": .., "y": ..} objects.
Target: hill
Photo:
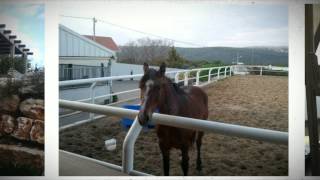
[
  {"x": 249, "y": 55},
  {"x": 226, "y": 55}
]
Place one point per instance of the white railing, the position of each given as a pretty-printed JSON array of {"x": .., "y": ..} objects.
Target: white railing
[
  {"x": 182, "y": 76},
  {"x": 178, "y": 76},
  {"x": 247, "y": 69},
  {"x": 175, "y": 121}
]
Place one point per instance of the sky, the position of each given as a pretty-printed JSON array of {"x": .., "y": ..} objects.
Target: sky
[
  {"x": 26, "y": 21},
  {"x": 196, "y": 24}
]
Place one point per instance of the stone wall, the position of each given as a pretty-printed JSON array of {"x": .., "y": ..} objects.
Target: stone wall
[
  {"x": 22, "y": 124},
  {"x": 22, "y": 120}
]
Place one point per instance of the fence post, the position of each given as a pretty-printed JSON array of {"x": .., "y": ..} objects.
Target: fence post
[
  {"x": 261, "y": 71},
  {"x": 209, "y": 75},
  {"x": 128, "y": 146},
  {"x": 219, "y": 72},
  {"x": 92, "y": 94},
  {"x": 186, "y": 78},
  {"x": 230, "y": 70},
  {"x": 225, "y": 71},
  {"x": 197, "y": 78},
  {"x": 176, "y": 78}
]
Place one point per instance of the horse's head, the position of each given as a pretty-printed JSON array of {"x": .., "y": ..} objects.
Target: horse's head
[{"x": 151, "y": 86}]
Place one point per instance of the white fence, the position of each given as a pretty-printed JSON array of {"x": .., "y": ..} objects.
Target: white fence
[
  {"x": 261, "y": 70},
  {"x": 118, "y": 69},
  {"x": 176, "y": 121},
  {"x": 187, "y": 77},
  {"x": 182, "y": 76}
]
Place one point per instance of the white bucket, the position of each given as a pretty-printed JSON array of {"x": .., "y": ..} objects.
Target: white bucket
[{"x": 110, "y": 144}]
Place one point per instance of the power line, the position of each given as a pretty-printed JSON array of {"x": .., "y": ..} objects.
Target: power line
[
  {"x": 135, "y": 30},
  {"x": 147, "y": 33},
  {"x": 76, "y": 17}
]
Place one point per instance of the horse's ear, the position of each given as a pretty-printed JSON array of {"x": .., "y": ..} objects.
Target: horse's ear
[
  {"x": 162, "y": 69},
  {"x": 145, "y": 67}
]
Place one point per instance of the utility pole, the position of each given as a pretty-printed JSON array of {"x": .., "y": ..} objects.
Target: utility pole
[
  {"x": 94, "y": 28},
  {"x": 237, "y": 58}
]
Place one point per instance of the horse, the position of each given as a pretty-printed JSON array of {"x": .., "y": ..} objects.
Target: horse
[{"x": 159, "y": 92}]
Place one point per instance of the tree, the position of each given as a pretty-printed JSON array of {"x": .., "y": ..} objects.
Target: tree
[
  {"x": 145, "y": 50},
  {"x": 5, "y": 64},
  {"x": 129, "y": 53},
  {"x": 175, "y": 60}
]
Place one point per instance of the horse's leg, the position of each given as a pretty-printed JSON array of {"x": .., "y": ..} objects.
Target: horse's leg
[
  {"x": 165, "y": 159},
  {"x": 185, "y": 160},
  {"x": 199, "y": 143}
]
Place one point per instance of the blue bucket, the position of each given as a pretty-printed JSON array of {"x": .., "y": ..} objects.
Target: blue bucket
[{"x": 127, "y": 122}]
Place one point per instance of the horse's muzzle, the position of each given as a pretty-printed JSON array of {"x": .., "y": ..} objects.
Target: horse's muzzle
[{"x": 143, "y": 118}]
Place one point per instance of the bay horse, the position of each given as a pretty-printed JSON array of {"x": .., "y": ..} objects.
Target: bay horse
[{"x": 159, "y": 92}]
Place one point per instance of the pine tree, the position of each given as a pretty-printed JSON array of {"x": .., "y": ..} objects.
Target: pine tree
[{"x": 174, "y": 59}]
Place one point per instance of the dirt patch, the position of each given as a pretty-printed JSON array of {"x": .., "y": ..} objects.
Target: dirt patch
[{"x": 256, "y": 101}]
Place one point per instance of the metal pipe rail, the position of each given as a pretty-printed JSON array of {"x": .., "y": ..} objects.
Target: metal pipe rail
[
  {"x": 108, "y": 95},
  {"x": 221, "y": 72},
  {"x": 260, "y": 69},
  {"x": 184, "y": 122},
  {"x": 104, "y": 79},
  {"x": 175, "y": 121},
  {"x": 94, "y": 81}
]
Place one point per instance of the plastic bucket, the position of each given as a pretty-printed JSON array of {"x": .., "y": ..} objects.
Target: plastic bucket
[{"x": 127, "y": 122}]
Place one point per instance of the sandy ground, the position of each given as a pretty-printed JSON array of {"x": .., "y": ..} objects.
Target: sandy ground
[{"x": 256, "y": 101}]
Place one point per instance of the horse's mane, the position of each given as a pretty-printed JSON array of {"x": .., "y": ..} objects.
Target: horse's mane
[{"x": 175, "y": 86}]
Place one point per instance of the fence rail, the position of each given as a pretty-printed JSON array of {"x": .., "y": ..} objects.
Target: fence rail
[
  {"x": 169, "y": 120},
  {"x": 184, "y": 122},
  {"x": 182, "y": 76},
  {"x": 175, "y": 121}
]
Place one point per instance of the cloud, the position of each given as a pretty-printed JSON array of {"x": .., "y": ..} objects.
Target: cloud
[
  {"x": 204, "y": 23},
  {"x": 10, "y": 22},
  {"x": 35, "y": 47},
  {"x": 28, "y": 9}
]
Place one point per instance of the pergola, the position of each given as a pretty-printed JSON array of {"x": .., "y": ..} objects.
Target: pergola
[{"x": 10, "y": 45}]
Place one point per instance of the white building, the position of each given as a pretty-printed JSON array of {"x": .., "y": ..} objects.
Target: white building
[{"x": 81, "y": 57}]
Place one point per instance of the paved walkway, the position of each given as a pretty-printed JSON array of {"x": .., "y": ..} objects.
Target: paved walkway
[
  {"x": 76, "y": 165},
  {"x": 83, "y": 93}
]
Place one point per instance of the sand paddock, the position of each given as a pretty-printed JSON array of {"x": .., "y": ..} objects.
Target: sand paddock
[{"x": 255, "y": 101}]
